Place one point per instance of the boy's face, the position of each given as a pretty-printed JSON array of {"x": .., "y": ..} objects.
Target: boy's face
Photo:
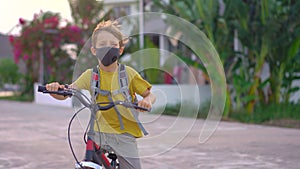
[{"x": 106, "y": 39}]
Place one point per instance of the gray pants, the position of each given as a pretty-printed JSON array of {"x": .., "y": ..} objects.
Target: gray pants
[{"x": 125, "y": 147}]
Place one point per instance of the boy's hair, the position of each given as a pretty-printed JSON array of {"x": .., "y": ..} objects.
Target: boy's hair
[{"x": 112, "y": 27}]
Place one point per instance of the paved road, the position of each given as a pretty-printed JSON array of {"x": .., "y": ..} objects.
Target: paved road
[{"x": 35, "y": 136}]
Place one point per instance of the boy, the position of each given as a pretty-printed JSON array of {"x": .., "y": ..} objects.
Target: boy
[{"x": 107, "y": 45}]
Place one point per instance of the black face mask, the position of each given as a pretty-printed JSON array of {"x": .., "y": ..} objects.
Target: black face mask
[{"x": 107, "y": 55}]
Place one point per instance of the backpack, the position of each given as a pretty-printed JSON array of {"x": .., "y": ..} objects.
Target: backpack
[{"x": 123, "y": 89}]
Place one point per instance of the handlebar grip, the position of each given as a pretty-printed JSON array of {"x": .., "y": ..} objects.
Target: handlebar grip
[
  {"x": 141, "y": 108},
  {"x": 59, "y": 91},
  {"x": 41, "y": 88}
]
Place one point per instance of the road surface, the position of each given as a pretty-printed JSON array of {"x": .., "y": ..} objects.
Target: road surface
[{"x": 35, "y": 136}]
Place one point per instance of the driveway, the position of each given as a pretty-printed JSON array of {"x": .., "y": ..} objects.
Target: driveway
[{"x": 35, "y": 136}]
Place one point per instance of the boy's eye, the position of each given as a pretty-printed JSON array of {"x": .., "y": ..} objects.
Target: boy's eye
[{"x": 101, "y": 44}]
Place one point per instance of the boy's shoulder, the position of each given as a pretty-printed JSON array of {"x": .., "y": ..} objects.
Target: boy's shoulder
[
  {"x": 87, "y": 72},
  {"x": 130, "y": 70}
]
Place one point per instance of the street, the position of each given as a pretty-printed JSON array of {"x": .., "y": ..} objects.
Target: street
[{"x": 35, "y": 136}]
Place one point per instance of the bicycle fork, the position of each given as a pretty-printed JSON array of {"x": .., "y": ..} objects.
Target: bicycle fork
[{"x": 94, "y": 157}]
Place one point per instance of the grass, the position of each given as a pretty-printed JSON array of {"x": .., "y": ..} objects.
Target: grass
[
  {"x": 185, "y": 109},
  {"x": 284, "y": 115},
  {"x": 269, "y": 112}
]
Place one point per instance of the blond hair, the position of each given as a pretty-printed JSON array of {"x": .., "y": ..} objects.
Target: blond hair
[{"x": 112, "y": 27}]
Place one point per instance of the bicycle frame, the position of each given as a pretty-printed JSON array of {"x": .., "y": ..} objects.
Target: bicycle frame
[
  {"x": 94, "y": 155},
  {"x": 92, "y": 158}
]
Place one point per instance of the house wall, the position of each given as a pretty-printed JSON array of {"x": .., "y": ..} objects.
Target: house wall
[{"x": 6, "y": 50}]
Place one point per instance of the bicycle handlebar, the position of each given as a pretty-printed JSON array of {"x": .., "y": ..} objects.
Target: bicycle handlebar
[
  {"x": 62, "y": 92},
  {"x": 108, "y": 105},
  {"x": 94, "y": 107}
]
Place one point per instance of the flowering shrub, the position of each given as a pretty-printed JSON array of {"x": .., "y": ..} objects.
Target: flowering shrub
[{"x": 45, "y": 36}]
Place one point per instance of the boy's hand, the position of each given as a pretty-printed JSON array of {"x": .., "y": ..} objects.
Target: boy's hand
[
  {"x": 148, "y": 99},
  {"x": 54, "y": 86},
  {"x": 145, "y": 103}
]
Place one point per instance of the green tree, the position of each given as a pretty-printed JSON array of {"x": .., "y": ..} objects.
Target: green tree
[
  {"x": 9, "y": 72},
  {"x": 284, "y": 56},
  {"x": 211, "y": 18},
  {"x": 251, "y": 25},
  {"x": 87, "y": 14},
  {"x": 269, "y": 31}
]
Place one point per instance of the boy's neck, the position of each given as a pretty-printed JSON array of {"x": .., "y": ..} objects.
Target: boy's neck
[{"x": 111, "y": 68}]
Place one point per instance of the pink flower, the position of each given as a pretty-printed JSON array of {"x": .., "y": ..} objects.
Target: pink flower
[
  {"x": 11, "y": 38},
  {"x": 17, "y": 49},
  {"x": 85, "y": 20},
  {"x": 17, "y": 53},
  {"x": 22, "y": 21},
  {"x": 52, "y": 22},
  {"x": 74, "y": 28},
  {"x": 25, "y": 57},
  {"x": 88, "y": 8}
]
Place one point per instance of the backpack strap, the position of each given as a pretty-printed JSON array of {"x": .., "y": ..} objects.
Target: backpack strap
[
  {"x": 96, "y": 90},
  {"x": 95, "y": 80},
  {"x": 124, "y": 90},
  {"x": 123, "y": 84},
  {"x": 95, "y": 83}
]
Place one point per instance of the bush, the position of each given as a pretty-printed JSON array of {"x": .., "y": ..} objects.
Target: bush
[
  {"x": 9, "y": 72},
  {"x": 266, "y": 113},
  {"x": 188, "y": 110},
  {"x": 287, "y": 113}
]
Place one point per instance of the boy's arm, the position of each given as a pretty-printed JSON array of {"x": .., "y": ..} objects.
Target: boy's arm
[{"x": 148, "y": 100}]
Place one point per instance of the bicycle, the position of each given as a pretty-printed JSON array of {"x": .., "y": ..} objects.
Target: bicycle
[{"x": 95, "y": 156}]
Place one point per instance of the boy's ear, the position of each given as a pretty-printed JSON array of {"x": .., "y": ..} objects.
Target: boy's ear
[
  {"x": 121, "y": 50},
  {"x": 93, "y": 50}
]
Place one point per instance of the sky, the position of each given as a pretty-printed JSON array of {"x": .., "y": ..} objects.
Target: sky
[{"x": 12, "y": 10}]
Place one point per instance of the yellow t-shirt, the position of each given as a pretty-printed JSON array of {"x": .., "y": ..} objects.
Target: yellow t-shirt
[{"x": 108, "y": 121}]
